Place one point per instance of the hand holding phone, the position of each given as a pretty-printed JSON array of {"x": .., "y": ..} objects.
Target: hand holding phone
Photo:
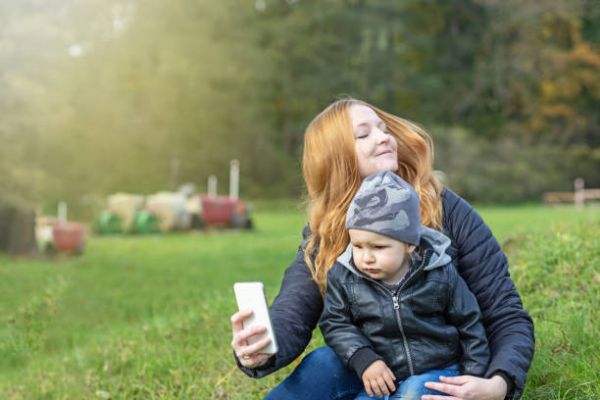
[{"x": 251, "y": 295}]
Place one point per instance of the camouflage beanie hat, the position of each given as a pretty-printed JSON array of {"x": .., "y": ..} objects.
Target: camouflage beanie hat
[{"x": 387, "y": 205}]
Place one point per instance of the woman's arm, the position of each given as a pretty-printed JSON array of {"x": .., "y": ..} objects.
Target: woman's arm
[
  {"x": 483, "y": 266},
  {"x": 294, "y": 315}
]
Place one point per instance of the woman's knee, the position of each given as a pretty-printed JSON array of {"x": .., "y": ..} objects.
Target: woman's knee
[
  {"x": 321, "y": 374},
  {"x": 325, "y": 358},
  {"x": 328, "y": 371}
]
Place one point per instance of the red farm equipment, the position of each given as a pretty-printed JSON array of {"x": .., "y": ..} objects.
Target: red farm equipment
[{"x": 56, "y": 234}]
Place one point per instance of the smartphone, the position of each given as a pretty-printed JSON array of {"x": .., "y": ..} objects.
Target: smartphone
[{"x": 251, "y": 295}]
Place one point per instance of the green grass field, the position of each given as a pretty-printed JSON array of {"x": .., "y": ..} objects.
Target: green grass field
[{"x": 148, "y": 317}]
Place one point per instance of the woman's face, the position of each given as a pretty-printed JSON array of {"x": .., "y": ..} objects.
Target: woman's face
[{"x": 375, "y": 146}]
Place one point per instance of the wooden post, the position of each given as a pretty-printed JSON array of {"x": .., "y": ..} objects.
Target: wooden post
[
  {"x": 234, "y": 179},
  {"x": 62, "y": 211},
  {"x": 579, "y": 197}
]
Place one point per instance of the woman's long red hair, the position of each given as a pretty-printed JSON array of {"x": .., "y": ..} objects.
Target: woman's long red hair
[{"x": 330, "y": 169}]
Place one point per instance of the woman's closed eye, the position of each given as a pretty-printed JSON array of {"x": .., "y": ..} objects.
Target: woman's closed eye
[{"x": 362, "y": 132}]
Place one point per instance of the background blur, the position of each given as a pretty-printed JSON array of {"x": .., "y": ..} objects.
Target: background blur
[
  {"x": 106, "y": 96},
  {"x": 99, "y": 96}
]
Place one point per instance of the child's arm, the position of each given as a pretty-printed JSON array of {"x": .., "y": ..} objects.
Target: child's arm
[
  {"x": 353, "y": 348},
  {"x": 464, "y": 313}
]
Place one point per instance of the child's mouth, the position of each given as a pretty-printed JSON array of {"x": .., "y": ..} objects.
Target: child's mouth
[{"x": 371, "y": 271}]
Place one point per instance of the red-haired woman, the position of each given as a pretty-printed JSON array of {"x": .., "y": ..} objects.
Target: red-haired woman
[{"x": 346, "y": 142}]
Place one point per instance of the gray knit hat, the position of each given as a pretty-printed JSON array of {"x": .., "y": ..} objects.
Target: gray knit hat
[{"x": 387, "y": 205}]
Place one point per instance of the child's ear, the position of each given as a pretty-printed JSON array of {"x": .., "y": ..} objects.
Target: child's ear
[{"x": 411, "y": 248}]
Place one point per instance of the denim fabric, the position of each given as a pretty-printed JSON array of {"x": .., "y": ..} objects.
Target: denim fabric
[
  {"x": 412, "y": 388},
  {"x": 320, "y": 375}
]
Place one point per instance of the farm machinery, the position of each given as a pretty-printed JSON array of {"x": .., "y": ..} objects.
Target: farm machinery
[{"x": 176, "y": 211}]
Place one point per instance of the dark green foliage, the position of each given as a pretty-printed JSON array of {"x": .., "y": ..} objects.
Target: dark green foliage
[{"x": 99, "y": 97}]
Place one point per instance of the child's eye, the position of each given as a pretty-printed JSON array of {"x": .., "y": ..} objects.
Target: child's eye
[
  {"x": 357, "y": 246},
  {"x": 381, "y": 247}
]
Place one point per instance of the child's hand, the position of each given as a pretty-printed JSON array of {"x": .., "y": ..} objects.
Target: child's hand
[{"x": 379, "y": 379}]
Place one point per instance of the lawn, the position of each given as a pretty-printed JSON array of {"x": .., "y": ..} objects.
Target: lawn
[{"x": 148, "y": 317}]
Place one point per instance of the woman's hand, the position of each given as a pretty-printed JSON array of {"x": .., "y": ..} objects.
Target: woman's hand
[
  {"x": 467, "y": 387},
  {"x": 378, "y": 380},
  {"x": 248, "y": 354}
]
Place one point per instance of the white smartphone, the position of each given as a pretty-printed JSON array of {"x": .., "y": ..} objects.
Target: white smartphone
[{"x": 251, "y": 295}]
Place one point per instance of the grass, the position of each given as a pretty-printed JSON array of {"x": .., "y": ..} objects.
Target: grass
[{"x": 148, "y": 317}]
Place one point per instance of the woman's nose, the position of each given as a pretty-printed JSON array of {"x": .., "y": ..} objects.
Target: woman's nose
[{"x": 382, "y": 137}]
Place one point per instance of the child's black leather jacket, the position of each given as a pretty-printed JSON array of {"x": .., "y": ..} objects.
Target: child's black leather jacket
[{"x": 430, "y": 322}]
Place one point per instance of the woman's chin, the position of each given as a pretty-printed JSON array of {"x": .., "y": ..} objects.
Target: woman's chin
[
  {"x": 388, "y": 167},
  {"x": 380, "y": 167}
]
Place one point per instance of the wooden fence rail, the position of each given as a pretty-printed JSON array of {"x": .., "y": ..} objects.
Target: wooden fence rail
[{"x": 572, "y": 197}]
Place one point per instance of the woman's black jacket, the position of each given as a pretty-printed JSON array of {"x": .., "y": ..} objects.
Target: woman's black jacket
[{"x": 479, "y": 260}]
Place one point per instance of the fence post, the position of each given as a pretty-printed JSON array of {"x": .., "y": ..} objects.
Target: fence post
[
  {"x": 579, "y": 196},
  {"x": 62, "y": 211},
  {"x": 234, "y": 179}
]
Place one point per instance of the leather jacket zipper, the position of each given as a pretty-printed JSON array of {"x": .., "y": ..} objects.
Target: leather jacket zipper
[
  {"x": 396, "y": 301},
  {"x": 404, "y": 340}
]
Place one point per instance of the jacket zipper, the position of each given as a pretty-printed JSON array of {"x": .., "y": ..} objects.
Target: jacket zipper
[
  {"x": 404, "y": 340},
  {"x": 396, "y": 303}
]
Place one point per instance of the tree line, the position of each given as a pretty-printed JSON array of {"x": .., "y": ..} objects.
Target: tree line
[{"x": 103, "y": 96}]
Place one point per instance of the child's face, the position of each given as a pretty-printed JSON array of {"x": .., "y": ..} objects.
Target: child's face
[{"x": 378, "y": 256}]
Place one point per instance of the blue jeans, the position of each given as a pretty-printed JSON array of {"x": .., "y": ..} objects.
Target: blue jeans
[
  {"x": 412, "y": 388},
  {"x": 321, "y": 375}
]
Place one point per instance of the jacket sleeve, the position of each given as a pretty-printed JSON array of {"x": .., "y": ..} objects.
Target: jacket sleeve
[
  {"x": 484, "y": 267},
  {"x": 294, "y": 315},
  {"x": 463, "y": 312},
  {"x": 339, "y": 331}
]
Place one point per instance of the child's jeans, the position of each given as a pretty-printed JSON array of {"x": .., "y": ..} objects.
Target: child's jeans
[{"x": 412, "y": 388}]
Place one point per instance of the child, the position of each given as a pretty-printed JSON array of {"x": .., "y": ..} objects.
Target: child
[{"x": 396, "y": 311}]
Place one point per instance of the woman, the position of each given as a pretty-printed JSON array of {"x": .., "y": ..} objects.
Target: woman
[{"x": 348, "y": 141}]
